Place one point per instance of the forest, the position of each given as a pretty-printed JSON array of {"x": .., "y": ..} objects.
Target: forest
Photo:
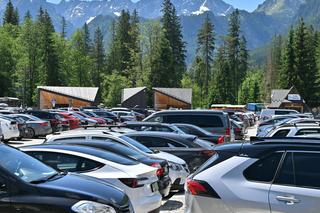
[{"x": 152, "y": 53}]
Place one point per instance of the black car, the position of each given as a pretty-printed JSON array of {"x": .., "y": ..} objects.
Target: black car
[
  {"x": 106, "y": 114},
  {"x": 200, "y": 133},
  {"x": 55, "y": 120},
  {"x": 188, "y": 147},
  {"x": 162, "y": 165},
  {"x": 29, "y": 186}
]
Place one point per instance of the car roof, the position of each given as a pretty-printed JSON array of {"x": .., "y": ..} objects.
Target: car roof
[
  {"x": 95, "y": 152},
  {"x": 189, "y": 111},
  {"x": 162, "y": 135},
  {"x": 142, "y": 123},
  {"x": 259, "y": 147}
]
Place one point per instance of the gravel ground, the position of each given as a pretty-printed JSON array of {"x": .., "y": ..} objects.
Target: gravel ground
[{"x": 173, "y": 204}]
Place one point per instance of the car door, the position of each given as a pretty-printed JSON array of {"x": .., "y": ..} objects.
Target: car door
[{"x": 296, "y": 188}]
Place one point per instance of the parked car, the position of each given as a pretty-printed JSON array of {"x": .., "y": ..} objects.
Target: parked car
[
  {"x": 187, "y": 147},
  {"x": 22, "y": 126},
  {"x": 216, "y": 122},
  {"x": 125, "y": 116},
  {"x": 271, "y": 175},
  {"x": 29, "y": 186},
  {"x": 107, "y": 115},
  {"x": 98, "y": 118},
  {"x": 73, "y": 121},
  {"x": 119, "y": 149},
  {"x": 65, "y": 125},
  {"x": 239, "y": 131},
  {"x": 137, "y": 180},
  {"x": 55, "y": 121},
  {"x": 268, "y": 113},
  {"x": 178, "y": 169},
  {"x": 292, "y": 130},
  {"x": 35, "y": 126},
  {"x": 152, "y": 126},
  {"x": 84, "y": 120},
  {"x": 200, "y": 133},
  {"x": 9, "y": 129},
  {"x": 100, "y": 121}
]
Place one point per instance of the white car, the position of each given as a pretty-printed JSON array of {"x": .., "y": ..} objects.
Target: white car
[
  {"x": 178, "y": 169},
  {"x": 9, "y": 129},
  {"x": 294, "y": 130},
  {"x": 269, "y": 113},
  {"x": 137, "y": 180}
]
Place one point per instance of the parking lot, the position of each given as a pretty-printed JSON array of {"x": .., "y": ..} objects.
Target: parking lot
[{"x": 174, "y": 203}]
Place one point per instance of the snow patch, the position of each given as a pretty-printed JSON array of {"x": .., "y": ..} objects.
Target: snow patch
[
  {"x": 203, "y": 8},
  {"x": 90, "y": 19},
  {"x": 225, "y": 12},
  {"x": 117, "y": 13}
]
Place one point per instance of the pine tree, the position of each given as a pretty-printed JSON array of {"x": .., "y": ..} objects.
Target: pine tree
[
  {"x": 289, "y": 76},
  {"x": 86, "y": 39},
  {"x": 205, "y": 52},
  {"x": 243, "y": 60},
  {"x": 233, "y": 45},
  {"x": 11, "y": 15},
  {"x": 172, "y": 26},
  {"x": 63, "y": 27},
  {"x": 98, "y": 55}
]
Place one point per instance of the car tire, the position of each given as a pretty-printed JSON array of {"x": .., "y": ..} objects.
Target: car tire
[{"x": 30, "y": 133}]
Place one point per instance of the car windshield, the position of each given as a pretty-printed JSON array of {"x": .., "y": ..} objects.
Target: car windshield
[
  {"x": 137, "y": 144},
  {"x": 24, "y": 166}
]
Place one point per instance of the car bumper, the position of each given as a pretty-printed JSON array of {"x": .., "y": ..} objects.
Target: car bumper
[
  {"x": 178, "y": 178},
  {"x": 146, "y": 204},
  {"x": 42, "y": 131},
  {"x": 201, "y": 204},
  {"x": 164, "y": 186}
]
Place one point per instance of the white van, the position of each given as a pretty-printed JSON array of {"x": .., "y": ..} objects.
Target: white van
[{"x": 9, "y": 129}]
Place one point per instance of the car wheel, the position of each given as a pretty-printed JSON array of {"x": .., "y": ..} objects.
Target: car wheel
[{"x": 30, "y": 133}]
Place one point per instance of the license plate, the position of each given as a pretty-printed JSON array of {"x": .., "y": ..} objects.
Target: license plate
[{"x": 154, "y": 187}]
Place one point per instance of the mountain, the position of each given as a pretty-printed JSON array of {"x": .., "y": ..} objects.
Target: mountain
[{"x": 270, "y": 18}]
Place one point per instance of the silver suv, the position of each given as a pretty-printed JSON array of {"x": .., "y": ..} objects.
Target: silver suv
[
  {"x": 271, "y": 175},
  {"x": 293, "y": 130}
]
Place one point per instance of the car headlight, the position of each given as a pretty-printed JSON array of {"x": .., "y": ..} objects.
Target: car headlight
[
  {"x": 85, "y": 206},
  {"x": 175, "y": 166}
]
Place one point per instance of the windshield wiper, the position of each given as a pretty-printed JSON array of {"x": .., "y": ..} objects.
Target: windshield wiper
[{"x": 45, "y": 179}]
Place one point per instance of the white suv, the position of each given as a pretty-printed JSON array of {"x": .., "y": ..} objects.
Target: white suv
[
  {"x": 269, "y": 113},
  {"x": 293, "y": 130},
  {"x": 274, "y": 175}
]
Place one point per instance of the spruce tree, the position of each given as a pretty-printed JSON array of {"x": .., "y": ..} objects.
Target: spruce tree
[
  {"x": 11, "y": 15},
  {"x": 86, "y": 39},
  {"x": 205, "y": 52},
  {"x": 288, "y": 76},
  {"x": 243, "y": 60},
  {"x": 63, "y": 27},
  {"x": 98, "y": 55},
  {"x": 172, "y": 28}
]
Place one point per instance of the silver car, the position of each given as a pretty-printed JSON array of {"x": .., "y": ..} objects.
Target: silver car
[{"x": 271, "y": 175}]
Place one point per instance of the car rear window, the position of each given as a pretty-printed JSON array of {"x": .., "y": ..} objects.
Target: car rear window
[
  {"x": 200, "y": 120},
  {"x": 308, "y": 131},
  {"x": 136, "y": 144},
  {"x": 281, "y": 133}
]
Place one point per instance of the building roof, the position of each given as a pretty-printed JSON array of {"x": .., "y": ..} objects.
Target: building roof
[
  {"x": 182, "y": 94},
  {"x": 129, "y": 92},
  {"x": 84, "y": 93},
  {"x": 278, "y": 96}
]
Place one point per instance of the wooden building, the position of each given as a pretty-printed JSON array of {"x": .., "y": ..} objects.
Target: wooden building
[
  {"x": 133, "y": 97},
  {"x": 287, "y": 99},
  {"x": 54, "y": 97},
  {"x": 166, "y": 98}
]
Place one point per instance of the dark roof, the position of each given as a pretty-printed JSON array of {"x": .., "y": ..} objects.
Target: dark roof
[
  {"x": 84, "y": 93},
  {"x": 127, "y": 93},
  {"x": 182, "y": 94}
]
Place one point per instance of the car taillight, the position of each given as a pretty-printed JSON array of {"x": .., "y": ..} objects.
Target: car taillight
[
  {"x": 131, "y": 182},
  {"x": 237, "y": 129},
  {"x": 195, "y": 188},
  {"x": 208, "y": 153},
  {"x": 201, "y": 188},
  {"x": 221, "y": 140},
  {"x": 160, "y": 169},
  {"x": 228, "y": 133},
  {"x": 44, "y": 124}
]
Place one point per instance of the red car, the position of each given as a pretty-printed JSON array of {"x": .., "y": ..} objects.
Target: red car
[
  {"x": 100, "y": 121},
  {"x": 74, "y": 122}
]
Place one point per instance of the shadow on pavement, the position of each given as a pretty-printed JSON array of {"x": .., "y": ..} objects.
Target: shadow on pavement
[{"x": 171, "y": 205}]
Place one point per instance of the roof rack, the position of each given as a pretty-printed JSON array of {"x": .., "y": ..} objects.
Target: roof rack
[
  {"x": 103, "y": 126},
  {"x": 276, "y": 140}
]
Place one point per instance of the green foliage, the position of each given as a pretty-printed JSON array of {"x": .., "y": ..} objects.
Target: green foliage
[
  {"x": 113, "y": 85},
  {"x": 11, "y": 15},
  {"x": 251, "y": 88}
]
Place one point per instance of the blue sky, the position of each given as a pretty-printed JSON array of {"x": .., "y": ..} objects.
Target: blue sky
[{"x": 248, "y": 5}]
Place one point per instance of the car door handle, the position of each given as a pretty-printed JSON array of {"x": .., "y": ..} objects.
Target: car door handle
[{"x": 289, "y": 200}]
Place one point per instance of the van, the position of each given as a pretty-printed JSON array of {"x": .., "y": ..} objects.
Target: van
[{"x": 213, "y": 121}]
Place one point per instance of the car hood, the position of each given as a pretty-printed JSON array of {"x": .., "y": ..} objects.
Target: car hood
[
  {"x": 169, "y": 157},
  {"x": 80, "y": 187}
]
